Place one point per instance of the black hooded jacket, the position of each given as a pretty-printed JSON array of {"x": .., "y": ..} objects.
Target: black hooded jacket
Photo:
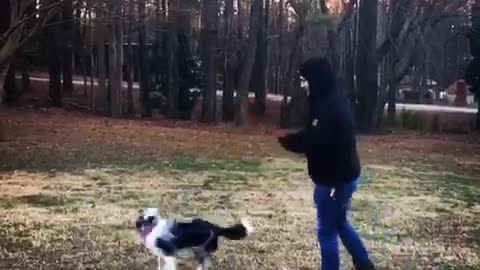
[{"x": 328, "y": 140}]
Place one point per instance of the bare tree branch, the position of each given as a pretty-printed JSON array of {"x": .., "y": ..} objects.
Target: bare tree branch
[
  {"x": 24, "y": 27},
  {"x": 15, "y": 24},
  {"x": 426, "y": 12},
  {"x": 346, "y": 15},
  {"x": 400, "y": 12}
]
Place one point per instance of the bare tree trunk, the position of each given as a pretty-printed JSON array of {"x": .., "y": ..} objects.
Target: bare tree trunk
[
  {"x": 355, "y": 93},
  {"x": 115, "y": 60},
  {"x": 475, "y": 52},
  {"x": 240, "y": 19},
  {"x": 112, "y": 57},
  {"x": 245, "y": 74},
  {"x": 238, "y": 56},
  {"x": 85, "y": 58},
  {"x": 80, "y": 38},
  {"x": 332, "y": 41},
  {"x": 54, "y": 63},
  {"x": 210, "y": 35},
  {"x": 68, "y": 34},
  {"x": 267, "y": 52},
  {"x": 100, "y": 97},
  {"x": 386, "y": 73},
  {"x": 84, "y": 47},
  {"x": 281, "y": 41},
  {"x": 228, "y": 86},
  {"x": 3, "y": 75},
  {"x": 423, "y": 79},
  {"x": 172, "y": 59},
  {"x": 384, "y": 70},
  {"x": 5, "y": 16},
  {"x": 260, "y": 68},
  {"x": 130, "y": 62},
  {"x": 394, "y": 19},
  {"x": 164, "y": 10},
  {"x": 164, "y": 45},
  {"x": 144, "y": 70},
  {"x": 117, "y": 96},
  {"x": 289, "y": 79},
  {"x": 173, "y": 75},
  {"x": 367, "y": 65},
  {"x": 350, "y": 65},
  {"x": 26, "y": 85},
  {"x": 55, "y": 80},
  {"x": 158, "y": 39},
  {"x": 477, "y": 118},
  {"x": 10, "y": 86},
  {"x": 92, "y": 59},
  {"x": 392, "y": 102}
]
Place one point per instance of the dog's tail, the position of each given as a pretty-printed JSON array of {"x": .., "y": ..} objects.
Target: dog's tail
[{"x": 238, "y": 231}]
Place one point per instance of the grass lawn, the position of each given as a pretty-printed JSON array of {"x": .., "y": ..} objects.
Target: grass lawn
[{"x": 71, "y": 186}]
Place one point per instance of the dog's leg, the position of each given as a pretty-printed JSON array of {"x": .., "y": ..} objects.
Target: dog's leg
[
  {"x": 160, "y": 261},
  {"x": 170, "y": 263},
  {"x": 204, "y": 264}
]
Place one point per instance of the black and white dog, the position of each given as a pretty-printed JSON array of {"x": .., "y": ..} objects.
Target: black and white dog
[{"x": 197, "y": 239}]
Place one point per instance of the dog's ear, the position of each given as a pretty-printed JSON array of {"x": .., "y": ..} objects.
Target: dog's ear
[{"x": 154, "y": 212}]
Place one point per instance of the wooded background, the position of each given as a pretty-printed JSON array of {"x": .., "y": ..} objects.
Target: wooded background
[{"x": 181, "y": 52}]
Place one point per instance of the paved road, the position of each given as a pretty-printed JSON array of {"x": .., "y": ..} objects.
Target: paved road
[
  {"x": 435, "y": 108},
  {"x": 400, "y": 106}
]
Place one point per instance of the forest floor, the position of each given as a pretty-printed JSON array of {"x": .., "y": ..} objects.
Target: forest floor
[{"x": 71, "y": 185}]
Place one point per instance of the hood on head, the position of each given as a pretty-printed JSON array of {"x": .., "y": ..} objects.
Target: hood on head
[{"x": 320, "y": 77}]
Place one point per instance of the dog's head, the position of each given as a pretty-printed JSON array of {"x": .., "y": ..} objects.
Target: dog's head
[{"x": 147, "y": 219}]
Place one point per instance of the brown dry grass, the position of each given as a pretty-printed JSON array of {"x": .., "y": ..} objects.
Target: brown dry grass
[{"x": 72, "y": 184}]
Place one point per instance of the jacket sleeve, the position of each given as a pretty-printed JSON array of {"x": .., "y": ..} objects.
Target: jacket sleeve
[{"x": 313, "y": 136}]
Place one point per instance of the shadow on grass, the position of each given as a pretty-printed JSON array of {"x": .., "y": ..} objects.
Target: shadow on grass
[
  {"x": 452, "y": 185},
  {"x": 423, "y": 178},
  {"x": 226, "y": 181},
  {"x": 100, "y": 248},
  {"x": 122, "y": 161},
  {"x": 454, "y": 188},
  {"x": 37, "y": 200}
]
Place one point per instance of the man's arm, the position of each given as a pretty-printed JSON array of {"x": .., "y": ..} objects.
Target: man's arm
[
  {"x": 294, "y": 142},
  {"x": 312, "y": 136}
]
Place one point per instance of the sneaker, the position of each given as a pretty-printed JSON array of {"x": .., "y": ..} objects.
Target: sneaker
[{"x": 364, "y": 266}]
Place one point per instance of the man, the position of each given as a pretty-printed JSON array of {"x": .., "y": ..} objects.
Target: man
[{"x": 329, "y": 143}]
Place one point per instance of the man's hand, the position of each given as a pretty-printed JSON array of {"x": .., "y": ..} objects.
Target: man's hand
[
  {"x": 290, "y": 143},
  {"x": 281, "y": 135},
  {"x": 283, "y": 142},
  {"x": 293, "y": 142},
  {"x": 280, "y": 132}
]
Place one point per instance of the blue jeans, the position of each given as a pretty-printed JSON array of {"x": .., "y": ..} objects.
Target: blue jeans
[{"x": 332, "y": 223}]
